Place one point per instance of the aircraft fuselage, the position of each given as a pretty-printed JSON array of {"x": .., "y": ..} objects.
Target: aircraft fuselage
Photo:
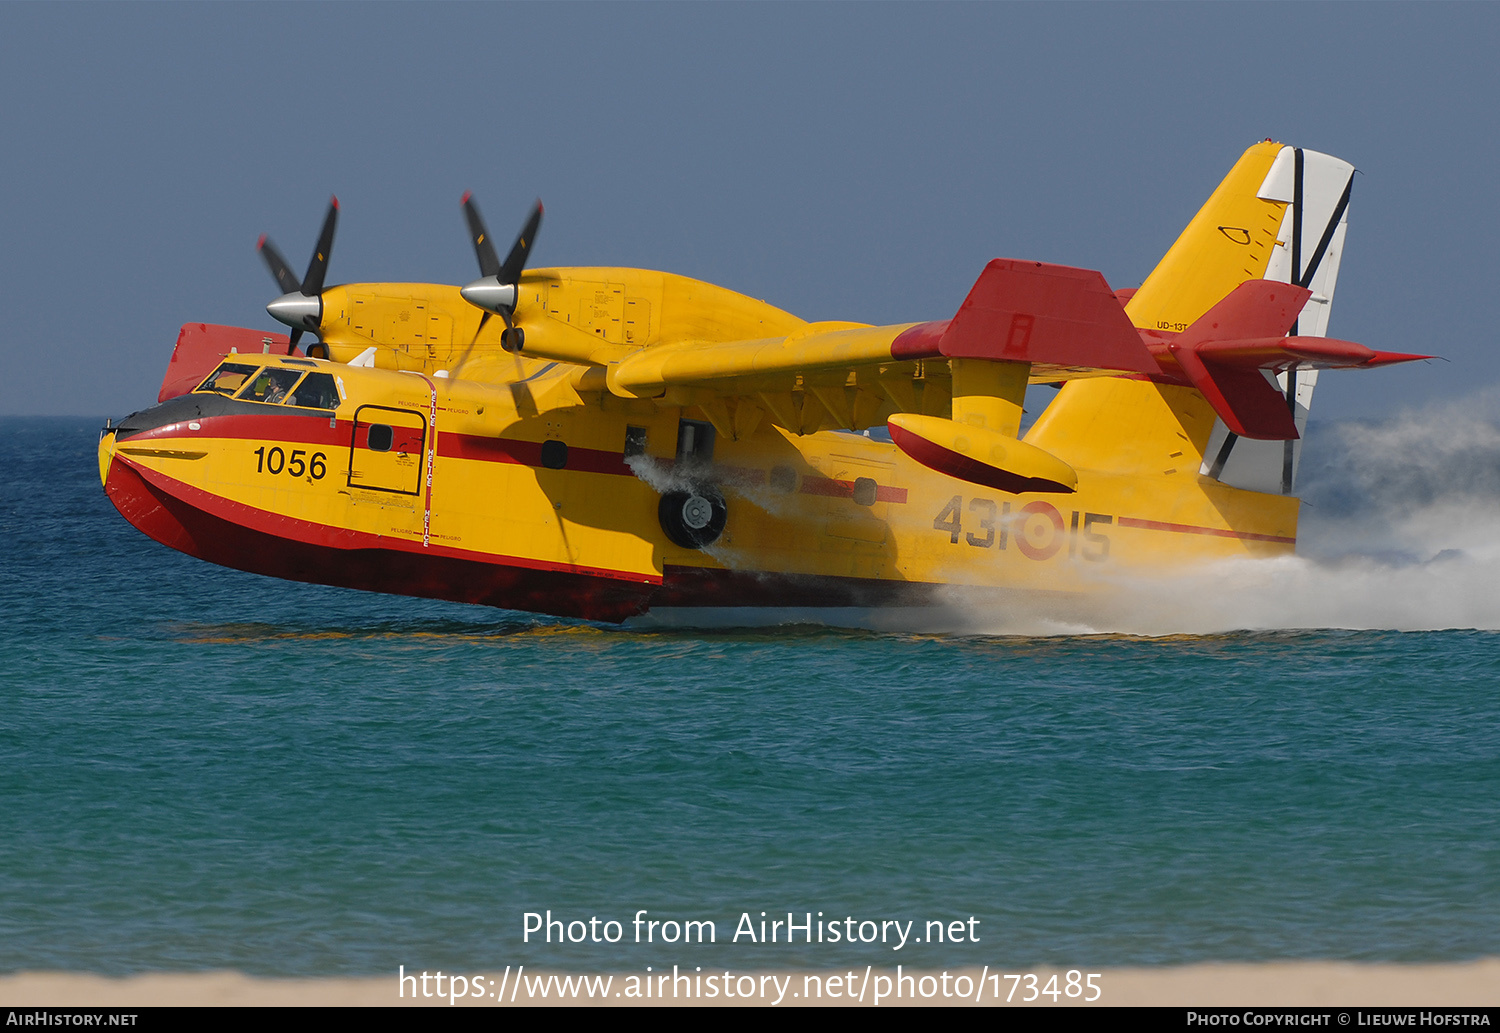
[{"x": 554, "y": 500}]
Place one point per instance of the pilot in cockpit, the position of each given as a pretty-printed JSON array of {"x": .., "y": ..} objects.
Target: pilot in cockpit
[{"x": 271, "y": 386}]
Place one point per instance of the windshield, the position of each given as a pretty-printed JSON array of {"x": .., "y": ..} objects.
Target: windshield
[{"x": 228, "y": 378}]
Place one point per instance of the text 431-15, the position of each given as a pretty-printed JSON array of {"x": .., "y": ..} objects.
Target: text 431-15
[{"x": 1037, "y": 528}]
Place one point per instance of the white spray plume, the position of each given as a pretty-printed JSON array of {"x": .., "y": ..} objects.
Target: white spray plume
[
  {"x": 662, "y": 477},
  {"x": 1400, "y": 530}
]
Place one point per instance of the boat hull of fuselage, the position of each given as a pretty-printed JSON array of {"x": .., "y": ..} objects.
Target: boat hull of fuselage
[
  {"x": 484, "y": 518},
  {"x": 182, "y": 518}
]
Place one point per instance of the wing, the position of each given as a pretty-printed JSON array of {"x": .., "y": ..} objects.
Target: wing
[
  {"x": 1021, "y": 322},
  {"x": 1057, "y": 322}
]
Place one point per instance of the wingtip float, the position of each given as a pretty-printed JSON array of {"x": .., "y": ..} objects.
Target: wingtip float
[{"x": 623, "y": 442}]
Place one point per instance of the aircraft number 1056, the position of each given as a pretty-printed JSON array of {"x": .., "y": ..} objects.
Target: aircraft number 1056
[
  {"x": 1037, "y": 528},
  {"x": 275, "y": 460}
]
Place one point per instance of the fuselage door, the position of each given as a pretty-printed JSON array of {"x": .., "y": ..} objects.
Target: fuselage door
[{"x": 388, "y": 449}]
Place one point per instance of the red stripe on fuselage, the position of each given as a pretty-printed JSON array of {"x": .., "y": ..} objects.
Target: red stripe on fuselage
[
  {"x": 302, "y": 430},
  {"x": 305, "y": 430},
  {"x": 1218, "y": 532},
  {"x": 528, "y": 453},
  {"x": 271, "y": 426},
  {"x": 845, "y": 489}
]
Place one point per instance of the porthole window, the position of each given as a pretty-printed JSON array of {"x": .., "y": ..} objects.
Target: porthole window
[
  {"x": 380, "y": 438},
  {"x": 554, "y": 454},
  {"x": 864, "y": 491},
  {"x": 783, "y": 479}
]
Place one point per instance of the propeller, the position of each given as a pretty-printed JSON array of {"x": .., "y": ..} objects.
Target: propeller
[
  {"x": 496, "y": 290},
  {"x": 301, "y": 303}
]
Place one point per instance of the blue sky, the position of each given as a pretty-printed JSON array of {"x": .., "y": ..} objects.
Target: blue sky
[{"x": 852, "y": 161}]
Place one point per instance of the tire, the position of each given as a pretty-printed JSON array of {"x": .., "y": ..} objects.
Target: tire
[{"x": 693, "y": 519}]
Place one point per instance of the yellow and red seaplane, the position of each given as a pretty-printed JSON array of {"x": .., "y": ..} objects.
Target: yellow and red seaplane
[{"x": 622, "y": 443}]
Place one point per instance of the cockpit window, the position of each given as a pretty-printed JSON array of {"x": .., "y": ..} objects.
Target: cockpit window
[
  {"x": 270, "y": 385},
  {"x": 317, "y": 391},
  {"x": 228, "y": 378},
  {"x": 273, "y": 385}
]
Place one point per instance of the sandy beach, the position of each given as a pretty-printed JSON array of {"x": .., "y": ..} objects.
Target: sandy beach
[{"x": 1300, "y": 983}]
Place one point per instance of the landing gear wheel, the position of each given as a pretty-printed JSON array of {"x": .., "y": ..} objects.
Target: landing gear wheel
[{"x": 693, "y": 519}]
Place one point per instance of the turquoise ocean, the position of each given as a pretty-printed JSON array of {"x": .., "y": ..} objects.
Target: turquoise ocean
[{"x": 204, "y": 769}]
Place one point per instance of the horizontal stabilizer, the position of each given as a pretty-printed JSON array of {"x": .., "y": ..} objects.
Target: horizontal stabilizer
[
  {"x": 1280, "y": 353},
  {"x": 1256, "y": 308},
  {"x": 1226, "y": 353},
  {"x": 1020, "y": 311},
  {"x": 1243, "y": 397}
]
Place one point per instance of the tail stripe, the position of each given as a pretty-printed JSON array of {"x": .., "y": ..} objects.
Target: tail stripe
[
  {"x": 1223, "y": 454},
  {"x": 1298, "y": 182},
  {"x": 1305, "y": 279},
  {"x": 1218, "y": 532}
]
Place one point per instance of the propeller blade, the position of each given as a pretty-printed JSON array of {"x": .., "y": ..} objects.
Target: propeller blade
[
  {"x": 291, "y": 345},
  {"x": 520, "y": 391},
  {"x": 317, "y": 268},
  {"x": 515, "y": 262},
  {"x": 484, "y": 247},
  {"x": 483, "y": 319},
  {"x": 285, "y": 278}
]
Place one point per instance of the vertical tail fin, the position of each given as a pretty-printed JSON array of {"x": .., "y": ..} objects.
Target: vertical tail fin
[
  {"x": 1309, "y": 246},
  {"x": 1279, "y": 214}
]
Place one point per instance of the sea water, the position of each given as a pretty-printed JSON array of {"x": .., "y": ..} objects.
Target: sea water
[{"x": 204, "y": 769}]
